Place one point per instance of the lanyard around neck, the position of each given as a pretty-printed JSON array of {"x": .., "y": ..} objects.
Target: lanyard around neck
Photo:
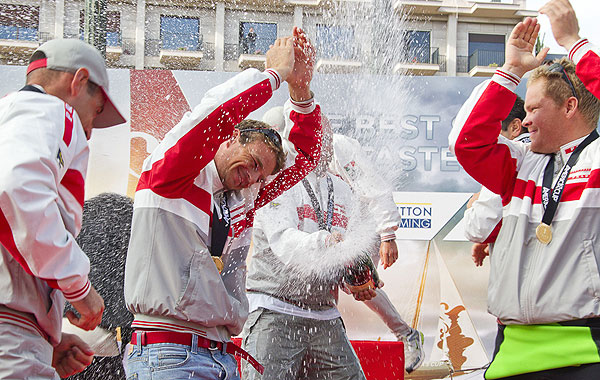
[
  {"x": 219, "y": 227},
  {"x": 551, "y": 197},
  {"x": 323, "y": 225}
]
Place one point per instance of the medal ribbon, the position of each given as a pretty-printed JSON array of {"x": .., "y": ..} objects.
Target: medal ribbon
[
  {"x": 323, "y": 225},
  {"x": 551, "y": 197},
  {"x": 220, "y": 228}
]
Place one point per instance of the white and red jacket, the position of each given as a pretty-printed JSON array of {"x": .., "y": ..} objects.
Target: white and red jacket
[
  {"x": 171, "y": 282},
  {"x": 484, "y": 218},
  {"x": 43, "y": 162},
  {"x": 287, "y": 229},
  {"x": 530, "y": 282}
]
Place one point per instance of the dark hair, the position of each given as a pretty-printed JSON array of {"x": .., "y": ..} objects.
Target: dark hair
[
  {"x": 517, "y": 112},
  {"x": 253, "y": 133}
]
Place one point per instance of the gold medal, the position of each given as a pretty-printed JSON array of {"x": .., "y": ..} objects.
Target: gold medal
[
  {"x": 218, "y": 263},
  {"x": 544, "y": 233}
]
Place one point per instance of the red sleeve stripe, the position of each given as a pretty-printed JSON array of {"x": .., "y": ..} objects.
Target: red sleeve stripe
[
  {"x": 477, "y": 148},
  {"x": 173, "y": 175},
  {"x": 68, "y": 124},
  {"x": 12, "y": 318},
  {"x": 494, "y": 234},
  {"x": 198, "y": 197},
  {"x": 74, "y": 182},
  {"x": 304, "y": 104},
  {"x": 275, "y": 76},
  {"x": 78, "y": 293},
  {"x": 576, "y": 47},
  {"x": 7, "y": 240},
  {"x": 508, "y": 76}
]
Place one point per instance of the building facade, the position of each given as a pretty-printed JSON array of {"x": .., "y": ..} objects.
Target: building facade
[{"x": 421, "y": 37}]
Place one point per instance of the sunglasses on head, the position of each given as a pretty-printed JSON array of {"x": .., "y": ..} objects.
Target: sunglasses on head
[
  {"x": 271, "y": 134},
  {"x": 558, "y": 68}
]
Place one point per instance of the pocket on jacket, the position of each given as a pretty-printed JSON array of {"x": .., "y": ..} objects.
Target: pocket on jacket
[
  {"x": 192, "y": 271},
  {"x": 589, "y": 257}
]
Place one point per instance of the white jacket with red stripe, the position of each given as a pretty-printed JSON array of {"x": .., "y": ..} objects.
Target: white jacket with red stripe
[
  {"x": 43, "y": 162},
  {"x": 171, "y": 282},
  {"x": 530, "y": 282},
  {"x": 288, "y": 227}
]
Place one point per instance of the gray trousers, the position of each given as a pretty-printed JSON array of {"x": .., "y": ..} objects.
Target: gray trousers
[
  {"x": 298, "y": 348},
  {"x": 24, "y": 354}
]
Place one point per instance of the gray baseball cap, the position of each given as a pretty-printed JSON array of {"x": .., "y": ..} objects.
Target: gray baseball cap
[{"x": 70, "y": 55}]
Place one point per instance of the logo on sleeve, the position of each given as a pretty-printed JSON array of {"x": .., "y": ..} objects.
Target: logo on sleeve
[
  {"x": 59, "y": 158},
  {"x": 274, "y": 204}
]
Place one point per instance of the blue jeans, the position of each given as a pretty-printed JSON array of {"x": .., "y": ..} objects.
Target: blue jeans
[{"x": 168, "y": 361}]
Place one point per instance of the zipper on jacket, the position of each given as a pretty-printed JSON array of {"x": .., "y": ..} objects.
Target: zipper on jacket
[{"x": 529, "y": 280}]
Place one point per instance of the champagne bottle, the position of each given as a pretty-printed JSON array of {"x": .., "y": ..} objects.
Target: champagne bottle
[{"x": 361, "y": 274}]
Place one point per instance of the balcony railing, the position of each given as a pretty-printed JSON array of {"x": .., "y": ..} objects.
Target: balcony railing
[
  {"x": 422, "y": 55},
  {"x": 462, "y": 64},
  {"x": 486, "y": 58},
  {"x": 152, "y": 47}
]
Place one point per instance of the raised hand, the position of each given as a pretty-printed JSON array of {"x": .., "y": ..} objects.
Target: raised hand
[
  {"x": 301, "y": 76},
  {"x": 519, "y": 48},
  {"x": 280, "y": 56},
  {"x": 563, "y": 21}
]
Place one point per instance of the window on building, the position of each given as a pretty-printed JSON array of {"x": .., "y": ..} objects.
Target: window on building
[
  {"x": 416, "y": 46},
  {"x": 180, "y": 33},
  {"x": 256, "y": 37},
  {"x": 336, "y": 41},
  {"x": 113, "y": 27},
  {"x": 486, "y": 50},
  {"x": 19, "y": 22}
]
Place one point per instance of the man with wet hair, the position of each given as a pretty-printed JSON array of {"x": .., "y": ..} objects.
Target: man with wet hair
[
  {"x": 544, "y": 276},
  {"x": 483, "y": 216},
  {"x": 44, "y": 153},
  {"x": 193, "y": 215},
  {"x": 294, "y": 327}
]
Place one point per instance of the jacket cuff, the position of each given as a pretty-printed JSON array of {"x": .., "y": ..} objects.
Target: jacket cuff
[
  {"x": 79, "y": 293},
  {"x": 304, "y": 107},
  {"x": 579, "y": 49},
  {"x": 506, "y": 79},
  {"x": 274, "y": 78},
  {"x": 387, "y": 236}
]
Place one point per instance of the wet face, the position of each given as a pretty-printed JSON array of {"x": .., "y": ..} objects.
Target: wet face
[
  {"x": 545, "y": 119},
  {"x": 241, "y": 166}
]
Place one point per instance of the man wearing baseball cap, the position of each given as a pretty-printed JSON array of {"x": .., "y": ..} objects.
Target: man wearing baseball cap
[{"x": 44, "y": 129}]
